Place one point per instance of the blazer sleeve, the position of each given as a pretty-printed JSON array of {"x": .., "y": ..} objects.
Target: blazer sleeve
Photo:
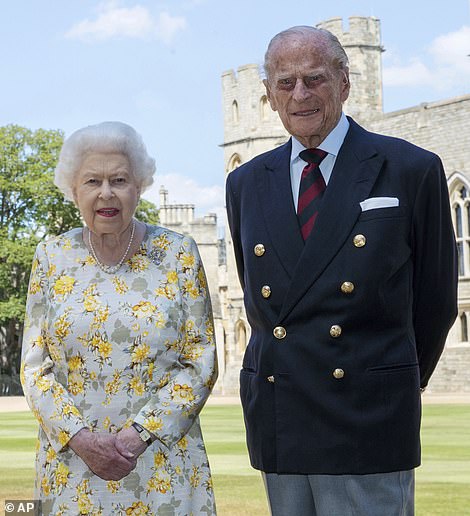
[
  {"x": 41, "y": 363},
  {"x": 182, "y": 393},
  {"x": 233, "y": 215},
  {"x": 435, "y": 268}
]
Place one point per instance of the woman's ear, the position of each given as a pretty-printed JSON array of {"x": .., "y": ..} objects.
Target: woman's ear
[{"x": 74, "y": 196}]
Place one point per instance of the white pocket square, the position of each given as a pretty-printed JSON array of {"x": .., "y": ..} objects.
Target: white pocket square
[{"x": 379, "y": 202}]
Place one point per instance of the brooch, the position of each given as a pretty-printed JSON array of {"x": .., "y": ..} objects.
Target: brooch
[{"x": 157, "y": 255}]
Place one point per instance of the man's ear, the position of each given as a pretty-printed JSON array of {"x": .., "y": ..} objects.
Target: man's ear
[
  {"x": 345, "y": 86},
  {"x": 272, "y": 102}
]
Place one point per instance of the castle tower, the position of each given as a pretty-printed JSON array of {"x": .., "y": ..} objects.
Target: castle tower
[
  {"x": 363, "y": 47},
  {"x": 250, "y": 125}
]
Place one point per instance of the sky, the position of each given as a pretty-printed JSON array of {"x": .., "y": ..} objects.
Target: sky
[{"x": 157, "y": 66}]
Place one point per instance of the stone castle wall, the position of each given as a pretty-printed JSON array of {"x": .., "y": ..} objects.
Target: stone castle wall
[{"x": 442, "y": 127}]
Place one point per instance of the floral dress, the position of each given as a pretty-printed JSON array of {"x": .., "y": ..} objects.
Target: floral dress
[{"x": 103, "y": 350}]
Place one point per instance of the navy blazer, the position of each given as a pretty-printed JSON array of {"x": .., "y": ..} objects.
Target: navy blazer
[{"x": 319, "y": 402}]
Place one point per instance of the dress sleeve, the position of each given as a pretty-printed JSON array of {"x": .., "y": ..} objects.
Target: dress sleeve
[
  {"x": 40, "y": 365},
  {"x": 178, "y": 400}
]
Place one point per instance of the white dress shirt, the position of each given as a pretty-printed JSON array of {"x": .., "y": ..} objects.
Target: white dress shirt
[{"x": 331, "y": 144}]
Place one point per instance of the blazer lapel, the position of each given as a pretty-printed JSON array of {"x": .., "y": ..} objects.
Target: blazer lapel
[
  {"x": 355, "y": 172},
  {"x": 277, "y": 206}
]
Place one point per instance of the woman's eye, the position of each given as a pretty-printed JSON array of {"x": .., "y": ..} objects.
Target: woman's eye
[{"x": 120, "y": 180}]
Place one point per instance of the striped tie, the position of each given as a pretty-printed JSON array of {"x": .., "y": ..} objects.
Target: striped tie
[{"x": 312, "y": 186}]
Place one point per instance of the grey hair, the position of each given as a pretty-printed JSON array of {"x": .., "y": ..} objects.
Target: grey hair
[
  {"x": 105, "y": 137},
  {"x": 326, "y": 38}
]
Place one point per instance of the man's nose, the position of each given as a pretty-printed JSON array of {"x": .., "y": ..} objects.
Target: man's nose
[{"x": 301, "y": 92}]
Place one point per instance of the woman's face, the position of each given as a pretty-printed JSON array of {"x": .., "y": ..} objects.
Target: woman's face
[{"x": 106, "y": 192}]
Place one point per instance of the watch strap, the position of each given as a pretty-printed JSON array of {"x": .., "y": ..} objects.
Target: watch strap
[{"x": 144, "y": 434}]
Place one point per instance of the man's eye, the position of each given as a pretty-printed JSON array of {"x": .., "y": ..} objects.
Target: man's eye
[
  {"x": 285, "y": 84},
  {"x": 312, "y": 80}
]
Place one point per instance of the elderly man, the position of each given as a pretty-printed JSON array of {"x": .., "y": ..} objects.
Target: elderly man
[{"x": 346, "y": 255}]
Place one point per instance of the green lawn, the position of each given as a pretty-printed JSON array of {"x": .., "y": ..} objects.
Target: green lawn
[{"x": 442, "y": 483}]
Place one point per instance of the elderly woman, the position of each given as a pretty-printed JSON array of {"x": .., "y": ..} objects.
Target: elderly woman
[{"x": 118, "y": 351}]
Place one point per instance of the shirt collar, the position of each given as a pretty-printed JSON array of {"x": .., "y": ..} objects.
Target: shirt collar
[{"x": 331, "y": 144}]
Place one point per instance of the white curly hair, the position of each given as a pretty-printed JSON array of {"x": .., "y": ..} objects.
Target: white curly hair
[{"x": 105, "y": 137}]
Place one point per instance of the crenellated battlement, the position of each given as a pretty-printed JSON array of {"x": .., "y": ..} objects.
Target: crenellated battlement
[{"x": 362, "y": 31}]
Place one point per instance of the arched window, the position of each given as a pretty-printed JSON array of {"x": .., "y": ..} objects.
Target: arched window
[
  {"x": 240, "y": 335},
  {"x": 461, "y": 257},
  {"x": 264, "y": 108},
  {"x": 460, "y": 202},
  {"x": 463, "y": 328},
  {"x": 235, "y": 112},
  {"x": 234, "y": 162},
  {"x": 458, "y": 221}
]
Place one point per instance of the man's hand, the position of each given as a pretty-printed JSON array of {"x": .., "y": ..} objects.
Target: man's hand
[
  {"x": 103, "y": 454},
  {"x": 130, "y": 440}
]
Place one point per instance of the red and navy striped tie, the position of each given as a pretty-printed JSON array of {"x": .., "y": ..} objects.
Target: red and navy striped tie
[{"x": 312, "y": 186}]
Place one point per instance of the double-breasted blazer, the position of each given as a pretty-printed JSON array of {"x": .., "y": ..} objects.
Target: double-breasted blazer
[{"x": 347, "y": 326}]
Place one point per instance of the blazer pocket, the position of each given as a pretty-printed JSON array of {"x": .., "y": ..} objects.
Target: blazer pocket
[
  {"x": 394, "y": 368},
  {"x": 383, "y": 213}
]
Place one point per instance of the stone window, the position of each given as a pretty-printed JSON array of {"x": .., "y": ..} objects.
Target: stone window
[
  {"x": 460, "y": 201},
  {"x": 264, "y": 108},
  {"x": 463, "y": 327},
  {"x": 235, "y": 112},
  {"x": 234, "y": 162},
  {"x": 458, "y": 221},
  {"x": 240, "y": 336}
]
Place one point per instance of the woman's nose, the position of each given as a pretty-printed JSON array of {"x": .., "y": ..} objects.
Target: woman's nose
[{"x": 106, "y": 191}]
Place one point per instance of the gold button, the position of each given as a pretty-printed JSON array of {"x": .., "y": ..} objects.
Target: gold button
[
  {"x": 338, "y": 373},
  {"x": 359, "y": 240},
  {"x": 266, "y": 291},
  {"x": 271, "y": 379},
  {"x": 279, "y": 332},
  {"x": 335, "y": 331},
  {"x": 347, "y": 287},
  {"x": 259, "y": 249}
]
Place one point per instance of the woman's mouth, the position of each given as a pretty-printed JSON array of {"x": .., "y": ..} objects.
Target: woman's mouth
[{"x": 107, "y": 212}]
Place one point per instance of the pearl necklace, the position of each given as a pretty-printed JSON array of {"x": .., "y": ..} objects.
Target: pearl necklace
[{"x": 111, "y": 269}]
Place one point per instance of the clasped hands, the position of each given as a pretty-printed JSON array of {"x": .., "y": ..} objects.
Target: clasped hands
[{"x": 110, "y": 456}]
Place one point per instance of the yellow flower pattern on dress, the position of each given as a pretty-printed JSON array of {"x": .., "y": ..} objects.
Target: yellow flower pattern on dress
[
  {"x": 63, "y": 286},
  {"x": 120, "y": 285},
  {"x": 143, "y": 310},
  {"x": 101, "y": 351}
]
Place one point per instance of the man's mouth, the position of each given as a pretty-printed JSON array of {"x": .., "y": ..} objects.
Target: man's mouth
[
  {"x": 306, "y": 112},
  {"x": 107, "y": 212}
]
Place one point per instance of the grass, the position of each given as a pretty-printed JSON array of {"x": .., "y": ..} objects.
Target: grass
[{"x": 442, "y": 483}]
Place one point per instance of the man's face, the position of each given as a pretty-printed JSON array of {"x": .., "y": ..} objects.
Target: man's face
[{"x": 305, "y": 88}]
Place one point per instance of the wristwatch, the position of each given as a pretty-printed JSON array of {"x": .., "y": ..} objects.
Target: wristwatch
[{"x": 143, "y": 433}]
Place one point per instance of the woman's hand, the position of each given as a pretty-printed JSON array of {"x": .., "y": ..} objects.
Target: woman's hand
[
  {"x": 104, "y": 454},
  {"x": 129, "y": 439}
]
